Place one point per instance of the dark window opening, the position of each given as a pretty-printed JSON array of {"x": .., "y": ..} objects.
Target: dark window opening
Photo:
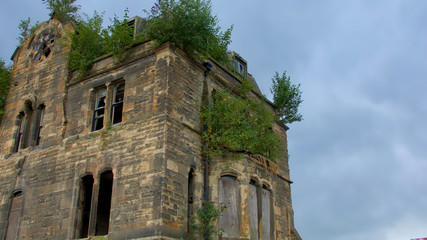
[
  {"x": 104, "y": 203},
  {"x": 47, "y": 52},
  {"x": 39, "y": 123},
  {"x": 85, "y": 205},
  {"x": 190, "y": 198},
  {"x": 20, "y": 123},
  {"x": 117, "y": 106},
  {"x": 14, "y": 215},
  {"x": 99, "y": 109}
]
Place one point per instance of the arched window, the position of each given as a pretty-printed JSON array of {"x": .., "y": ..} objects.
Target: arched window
[
  {"x": 228, "y": 195},
  {"x": 14, "y": 215},
  {"x": 89, "y": 221}
]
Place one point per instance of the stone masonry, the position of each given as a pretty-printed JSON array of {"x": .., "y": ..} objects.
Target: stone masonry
[{"x": 51, "y": 156}]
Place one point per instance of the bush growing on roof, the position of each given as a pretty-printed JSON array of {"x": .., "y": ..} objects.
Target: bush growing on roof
[{"x": 189, "y": 25}]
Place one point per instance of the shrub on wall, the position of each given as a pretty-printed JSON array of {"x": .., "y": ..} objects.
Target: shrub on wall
[{"x": 239, "y": 123}]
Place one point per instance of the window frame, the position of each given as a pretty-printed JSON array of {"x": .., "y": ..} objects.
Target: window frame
[{"x": 96, "y": 108}]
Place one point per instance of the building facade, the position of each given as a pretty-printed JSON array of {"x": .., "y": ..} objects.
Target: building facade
[{"x": 118, "y": 153}]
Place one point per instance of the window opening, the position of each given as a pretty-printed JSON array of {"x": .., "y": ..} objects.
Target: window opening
[
  {"x": 99, "y": 109},
  {"x": 190, "y": 198},
  {"x": 14, "y": 215},
  {"x": 117, "y": 106},
  {"x": 26, "y": 125},
  {"x": 39, "y": 123},
  {"x": 85, "y": 205},
  {"x": 21, "y": 120},
  {"x": 229, "y": 196},
  {"x": 104, "y": 203},
  {"x": 240, "y": 66}
]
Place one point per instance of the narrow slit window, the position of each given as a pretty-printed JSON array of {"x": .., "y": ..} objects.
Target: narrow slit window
[
  {"x": 39, "y": 124},
  {"x": 104, "y": 203},
  {"x": 190, "y": 208},
  {"x": 99, "y": 109},
  {"x": 19, "y": 133},
  {"x": 117, "y": 106},
  {"x": 85, "y": 205}
]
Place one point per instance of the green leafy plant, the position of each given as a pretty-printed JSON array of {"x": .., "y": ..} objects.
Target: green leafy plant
[
  {"x": 86, "y": 43},
  {"x": 63, "y": 10},
  {"x": 239, "y": 123},
  {"x": 203, "y": 223},
  {"x": 287, "y": 98},
  {"x": 189, "y": 25},
  {"x": 26, "y": 29},
  {"x": 119, "y": 36},
  {"x": 5, "y": 77}
]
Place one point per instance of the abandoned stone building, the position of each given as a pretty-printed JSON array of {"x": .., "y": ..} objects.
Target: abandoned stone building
[{"x": 118, "y": 153}]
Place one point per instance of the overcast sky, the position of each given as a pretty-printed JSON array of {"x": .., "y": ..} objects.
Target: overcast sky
[{"x": 358, "y": 159}]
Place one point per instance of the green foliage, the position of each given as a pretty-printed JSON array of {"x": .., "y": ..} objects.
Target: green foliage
[
  {"x": 5, "y": 76},
  {"x": 189, "y": 25},
  {"x": 26, "y": 29},
  {"x": 287, "y": 98},
  {"x": 86, "y": 43},
  {"x": 204, "y": 222},
  {"x": 240, "y": 124},
  {"x": 63, "y": 10},
  {"x": 119, "y": 36},
  {"x": 90, "y": 41}
]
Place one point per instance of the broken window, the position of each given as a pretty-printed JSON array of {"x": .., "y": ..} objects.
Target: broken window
[
  {"x": 39, "y": 123},
  {"x": 14, "y": 215},
  {"x": 104, "y": 203},
  {"x": 98, "y": 222},
  {"x": 99, "y": 109},
  {"x": 43, "y": 45},
  {"x": 228, "y": 197},
  {"x": 85, "y": 203},
  {"x": 117, "y": 105},
  {"x": 260, "y": 211},
  {"x": 240, "y": 66}
]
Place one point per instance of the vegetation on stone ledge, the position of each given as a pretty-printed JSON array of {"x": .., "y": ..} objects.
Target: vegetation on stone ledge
[
  {"x": 189, "y": 25},
  {"x": 5, "y": 76},
  {"x": 186, "y": 24},
  {"x": 240, "y": 123}
]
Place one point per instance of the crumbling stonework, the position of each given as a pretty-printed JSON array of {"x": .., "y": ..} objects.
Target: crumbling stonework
[{"x": 51, "y": 156}]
